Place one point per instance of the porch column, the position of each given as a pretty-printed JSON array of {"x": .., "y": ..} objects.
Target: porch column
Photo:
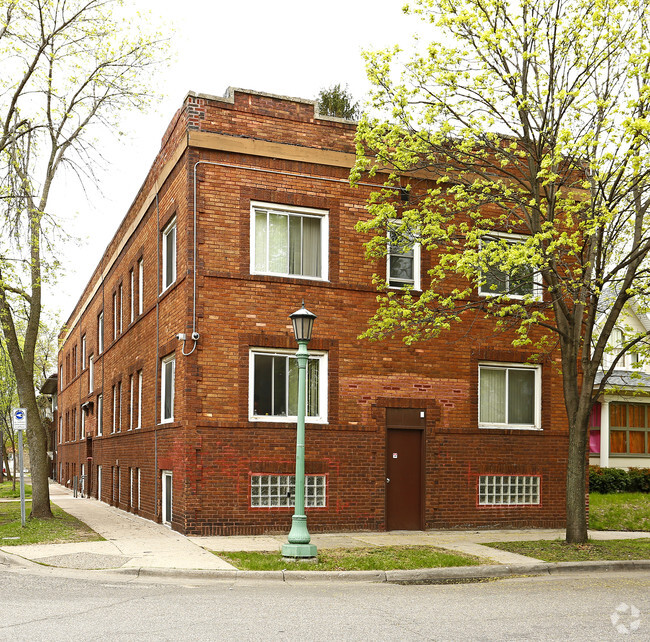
[{"x": 604, "y": 434}]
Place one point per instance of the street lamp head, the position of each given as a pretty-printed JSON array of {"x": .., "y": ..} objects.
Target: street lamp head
[{"x": 303, "y": 322}]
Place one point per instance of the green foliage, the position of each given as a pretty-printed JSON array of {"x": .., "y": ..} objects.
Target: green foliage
[
  {"x": 383, "y": 558},
  {"x": 617, "y": 480},
  {"x": 558, "y": 551},
  {"x": 619, "y": 511},
  {"x": 535, "y": 143},
  {"x": 521, "y": 133},
  {"x": 339, "y": 102}
]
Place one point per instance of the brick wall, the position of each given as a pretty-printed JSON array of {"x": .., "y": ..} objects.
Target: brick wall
[{"x": 212, "y": 447}]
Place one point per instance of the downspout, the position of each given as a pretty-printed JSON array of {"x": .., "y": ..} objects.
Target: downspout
[{"x": 195, "y": 335}]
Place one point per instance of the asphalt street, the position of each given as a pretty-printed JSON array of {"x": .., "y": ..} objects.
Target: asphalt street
[{"x": 66, "y": 605}]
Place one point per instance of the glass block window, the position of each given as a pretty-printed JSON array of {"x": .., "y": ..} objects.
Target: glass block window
[
  {"x": 508, "y": 490},
  {"x": 271, "y": 491}
]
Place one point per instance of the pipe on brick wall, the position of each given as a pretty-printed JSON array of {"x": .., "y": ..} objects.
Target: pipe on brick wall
[{"x": 195, "y": 335}]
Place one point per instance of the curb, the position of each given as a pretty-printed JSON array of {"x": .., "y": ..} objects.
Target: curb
[{"x": 420, "y": 576}]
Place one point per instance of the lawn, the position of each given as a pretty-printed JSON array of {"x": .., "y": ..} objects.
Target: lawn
[
  {"x": 383, "y": 558},
  {"x": 560, "y": 551},
  {"x": 63, "y": 528},
  {"x": 7, "y": 492},
  {"x": 619, "y": 511}
]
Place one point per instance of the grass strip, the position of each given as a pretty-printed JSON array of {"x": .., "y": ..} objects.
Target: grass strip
[
  {"x": 619, "y": 511},
  {"x": 62, "y": 528},
  {"x": 560, "y": 551},
  {"x": 7, "y": 491},
  {"x": 382, "y": 558}
]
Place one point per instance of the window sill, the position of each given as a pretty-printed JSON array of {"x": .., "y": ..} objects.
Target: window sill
[
  {"x": 514, "y": 297},
  {"x": 285, "y": 420},
  {"x": 509, "y": 427}
]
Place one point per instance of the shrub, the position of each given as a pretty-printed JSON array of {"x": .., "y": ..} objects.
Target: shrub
[{"x": 617, "y": 480}]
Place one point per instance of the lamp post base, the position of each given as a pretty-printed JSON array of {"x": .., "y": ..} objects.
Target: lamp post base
[
  {"x": 298, "y": 545},
  {"x": 304, "y": 552}
]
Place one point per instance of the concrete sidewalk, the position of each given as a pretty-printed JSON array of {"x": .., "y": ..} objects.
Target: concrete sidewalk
[{"x": 141, "y": 546}]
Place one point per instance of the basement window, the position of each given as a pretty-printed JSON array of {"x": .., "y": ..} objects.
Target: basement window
[
  {"x": 278, "y": 491},
  {"x": 508, "y": 490}
]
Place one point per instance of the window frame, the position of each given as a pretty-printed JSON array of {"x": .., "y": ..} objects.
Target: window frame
[
  {"x": 416, "y": 286},
  {"x": 83, "y": 352},
  {"x": 140, "y": 286},
  {"x": 320, "y": 355},
  {"x": 537, "y": 291},
  {"x": 100, "y": 415},
  {"x": 139, "y": 413},
  {"x": 537, "y": 412},
  {"x": 305, "y": 212},
  {"x": 100, "y": 332},
  {"x": 627, "y": 429},
  {"x": 165, "y": 234},
  {"x": 170, "y": 358},
  {"x": 91, "y": 373},
  {"x": 132, "y": 295}
]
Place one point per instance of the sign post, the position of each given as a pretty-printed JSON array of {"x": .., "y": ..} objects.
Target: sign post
[{"x": 19, "y": 418}]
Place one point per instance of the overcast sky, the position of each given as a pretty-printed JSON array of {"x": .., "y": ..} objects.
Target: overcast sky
[{"x": 288, "y": 47}]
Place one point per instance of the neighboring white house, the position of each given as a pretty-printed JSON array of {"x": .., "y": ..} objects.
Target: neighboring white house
[{"x": 620, "y": 422}]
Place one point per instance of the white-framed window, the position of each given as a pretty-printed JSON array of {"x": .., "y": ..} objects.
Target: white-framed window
[
  {"x": 289, "y": 241},
  {"x": 61, "y": 377},
  {"x": 167, "y": 492},
  {"x": 61, "y": 428},
  {"x": 100, "y": 333},
  {"x": 99, "y": 483},
  {"x": 114, "y": 315},
  {"x": 509, "y": 396},
  {"x": 278, "y": 491},
  {"x": 83, "y": 352},
  {"x": 138, "y": 414},
  {"x": 273, "y": 386},
  {"x": 140, "y": 286},
  {"x": 617, "y": 341},
  {"x": 139, "y": 477},
  {"x": 168, "y": 255},
  {"x": 121, "y": 313},
  {"x": 83, "y": 424},
  {"x": 132, "y": 295},
  {"x": 167, "y": 385},
  {"x": 114, "y": 424},
  {"x": 100, "y": 415},
  {"x": 131, "y": 400},
  {"x": 497, "y": 280},
  {"x": 508, "y": 490},
  {"x": 402, "y": 260},
  {"x": 91, "y": 373}
]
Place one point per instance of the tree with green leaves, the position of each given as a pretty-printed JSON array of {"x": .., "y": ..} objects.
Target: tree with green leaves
[
  {"x": 338, "y": 102},
  {"x": 69, "y": 69},
  {"x": 520, "y": 134}
]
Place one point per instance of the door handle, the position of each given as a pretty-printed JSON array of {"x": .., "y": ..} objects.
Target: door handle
[{"x": 388, "y": 480}]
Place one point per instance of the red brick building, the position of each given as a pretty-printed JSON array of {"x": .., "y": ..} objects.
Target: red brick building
[{"x": 246, "y": 211}]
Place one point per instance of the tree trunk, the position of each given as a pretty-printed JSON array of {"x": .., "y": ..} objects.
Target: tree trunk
[
  {"x": 576, "y": 489},
  {"x": 37, "y": 439}
]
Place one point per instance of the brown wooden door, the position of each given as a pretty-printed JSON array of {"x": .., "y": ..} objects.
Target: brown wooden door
[{"x": 403, "y": 479}]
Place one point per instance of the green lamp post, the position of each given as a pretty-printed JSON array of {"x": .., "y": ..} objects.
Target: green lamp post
[{"x": 298, "y": 545}]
